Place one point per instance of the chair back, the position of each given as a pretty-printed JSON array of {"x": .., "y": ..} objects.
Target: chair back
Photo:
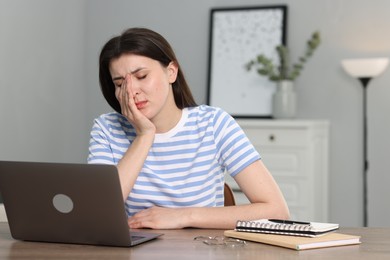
[{"x": 229, "y": 196}]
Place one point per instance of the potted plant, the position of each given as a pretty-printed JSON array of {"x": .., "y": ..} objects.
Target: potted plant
[
  {"x": 284, "y": 71},
  {"x": 284, "y": 105}
]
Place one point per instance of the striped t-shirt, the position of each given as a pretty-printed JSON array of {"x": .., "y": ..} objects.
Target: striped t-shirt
[{"x": 185, "y": 167}]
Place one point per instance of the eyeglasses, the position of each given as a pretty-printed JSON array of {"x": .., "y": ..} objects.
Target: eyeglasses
[{"x": 220, "y": 240}]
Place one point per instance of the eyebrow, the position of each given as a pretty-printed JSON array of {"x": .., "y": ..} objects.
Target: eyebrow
[{"x": 132, "y": 72}]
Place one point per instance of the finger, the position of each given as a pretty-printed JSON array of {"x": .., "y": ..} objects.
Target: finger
[
  {"x": 119, "y": 96},
  {"x": 136, "y": 220},
  {"x": 123, "y": 91},
  {"x": 141, "y": 223},
  {"x": 125, "y": 100},
  {"x": 133, "y": 108},
  {"x": 138, "y": 224}
]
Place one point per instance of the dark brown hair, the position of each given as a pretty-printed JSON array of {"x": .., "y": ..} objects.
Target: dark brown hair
[{"x": 143, "y": 42}]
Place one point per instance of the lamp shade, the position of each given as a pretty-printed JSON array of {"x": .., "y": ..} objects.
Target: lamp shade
[{"x": 365, "y": 68}]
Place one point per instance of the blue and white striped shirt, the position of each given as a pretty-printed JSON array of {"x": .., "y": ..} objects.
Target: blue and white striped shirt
[{"x": 185, "y": 166}]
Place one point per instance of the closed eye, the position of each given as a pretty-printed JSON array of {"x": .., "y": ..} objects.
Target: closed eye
[
  {"x": 141, "y": 77},
  {"x": 118, "y": 83}
]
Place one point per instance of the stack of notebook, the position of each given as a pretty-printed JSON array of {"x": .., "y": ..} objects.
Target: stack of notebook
[{"x": 292, "y": 234}]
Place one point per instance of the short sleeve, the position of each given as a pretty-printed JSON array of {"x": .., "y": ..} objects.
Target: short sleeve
[
  {"x": 235, "y": 150},
  {"x": 100, "y": 151}
]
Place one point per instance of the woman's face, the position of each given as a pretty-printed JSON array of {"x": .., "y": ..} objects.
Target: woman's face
[{"x": 150, "y": 82}]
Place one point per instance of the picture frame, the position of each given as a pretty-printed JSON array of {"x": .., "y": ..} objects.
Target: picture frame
[{"x": 238, "y": 35}]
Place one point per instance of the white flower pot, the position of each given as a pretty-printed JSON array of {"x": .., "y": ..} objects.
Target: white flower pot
[{"x": 284, "y": 100}]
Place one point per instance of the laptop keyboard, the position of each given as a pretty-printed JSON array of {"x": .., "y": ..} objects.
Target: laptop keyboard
[{"x": 135, "y": 238}]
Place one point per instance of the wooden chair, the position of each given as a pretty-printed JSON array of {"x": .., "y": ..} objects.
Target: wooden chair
[{"x": 229, "y": 196}]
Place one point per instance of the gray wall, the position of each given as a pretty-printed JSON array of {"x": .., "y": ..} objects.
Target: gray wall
[
  {"x": 42, "y": 80},
  {"x": 50, "y": 93}
]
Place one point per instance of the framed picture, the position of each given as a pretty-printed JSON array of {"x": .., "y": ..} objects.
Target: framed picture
[{"x": 238, "y": 35}]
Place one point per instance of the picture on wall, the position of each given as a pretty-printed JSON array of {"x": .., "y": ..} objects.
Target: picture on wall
[{"x": 237, "y": 35}]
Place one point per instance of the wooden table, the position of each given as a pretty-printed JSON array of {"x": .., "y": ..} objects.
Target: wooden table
[{"x": 179, "y": 244}]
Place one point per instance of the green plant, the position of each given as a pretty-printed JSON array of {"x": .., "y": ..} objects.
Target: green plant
[{"x": 284, "y": 71}]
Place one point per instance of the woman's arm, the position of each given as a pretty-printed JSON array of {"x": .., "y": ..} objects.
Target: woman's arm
[
  {"x": 132, "y": 161},
  {"x": 266, "y": 199},
  {"x": 255, "y": 181}
]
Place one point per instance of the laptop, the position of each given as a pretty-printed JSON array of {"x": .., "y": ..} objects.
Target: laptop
[{"x": 67, "y": 203}]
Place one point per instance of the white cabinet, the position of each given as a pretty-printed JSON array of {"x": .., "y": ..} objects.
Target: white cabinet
[{"x": 296, "y": 154}]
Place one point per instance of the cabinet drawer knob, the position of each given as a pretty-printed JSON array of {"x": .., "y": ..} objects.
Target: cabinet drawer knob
[{"x": 272, "y": 138}]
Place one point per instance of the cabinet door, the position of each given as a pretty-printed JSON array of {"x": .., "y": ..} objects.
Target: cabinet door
[
  {"x": 287, "y": 166},
  {"x": 291, "y": 153}
]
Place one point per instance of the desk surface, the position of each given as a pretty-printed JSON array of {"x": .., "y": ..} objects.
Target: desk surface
[{"x": 179, "y": 244}]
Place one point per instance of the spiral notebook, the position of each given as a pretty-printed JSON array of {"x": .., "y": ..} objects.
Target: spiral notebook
[{"x": 286, "y": 227}]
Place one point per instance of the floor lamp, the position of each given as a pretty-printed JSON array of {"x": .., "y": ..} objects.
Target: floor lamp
[{"x": 365, "y": 70}]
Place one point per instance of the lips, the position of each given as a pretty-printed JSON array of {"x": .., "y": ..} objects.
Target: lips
[{"x": 140, "y": 104}]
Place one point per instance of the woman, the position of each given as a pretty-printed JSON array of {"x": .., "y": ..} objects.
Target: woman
[{"x": 172, "y": 154}]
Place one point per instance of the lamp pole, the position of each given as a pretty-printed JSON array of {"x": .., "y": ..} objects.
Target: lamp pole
[
  {"x": 365, "y": 81},
  {"x": 365, "y": 70}
]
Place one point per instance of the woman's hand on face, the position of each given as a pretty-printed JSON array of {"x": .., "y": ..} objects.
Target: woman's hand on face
[
  {"x": 158, "y": 218},
  {"x": 125, "y": 97}
]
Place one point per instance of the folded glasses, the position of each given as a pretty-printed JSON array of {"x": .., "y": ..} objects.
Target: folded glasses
[{"x": 220, "y": 240}]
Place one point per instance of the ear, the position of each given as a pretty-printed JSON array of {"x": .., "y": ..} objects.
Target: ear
[{"x": 172, "y": 69}]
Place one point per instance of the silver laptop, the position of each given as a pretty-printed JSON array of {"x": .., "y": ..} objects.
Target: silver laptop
[{"x": 66, "y": 203}]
